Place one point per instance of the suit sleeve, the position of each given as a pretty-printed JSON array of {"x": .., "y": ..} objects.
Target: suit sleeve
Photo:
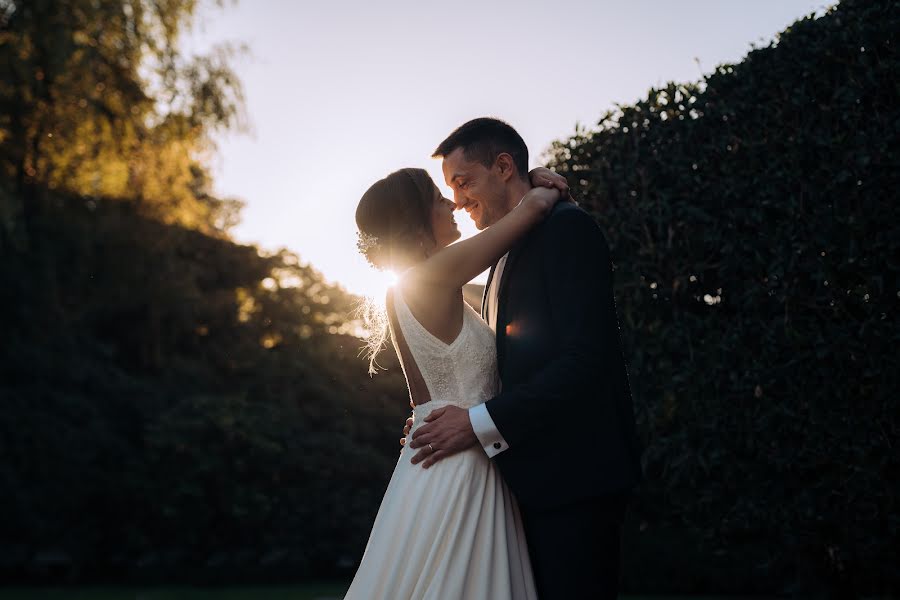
[{"x": 578, "y": 271}]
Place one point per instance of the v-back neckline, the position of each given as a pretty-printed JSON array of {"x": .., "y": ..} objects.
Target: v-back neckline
[{"x": 428, "y": 334}]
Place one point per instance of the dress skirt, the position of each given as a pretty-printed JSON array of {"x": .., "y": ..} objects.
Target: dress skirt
[{"x": 449, "y": 532}]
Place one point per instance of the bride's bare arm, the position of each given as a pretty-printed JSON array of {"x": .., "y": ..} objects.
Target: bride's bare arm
[{"x": 454, "y": 266}]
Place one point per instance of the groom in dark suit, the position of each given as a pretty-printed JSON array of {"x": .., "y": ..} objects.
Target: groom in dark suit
[{"x": 561, "y": 429}]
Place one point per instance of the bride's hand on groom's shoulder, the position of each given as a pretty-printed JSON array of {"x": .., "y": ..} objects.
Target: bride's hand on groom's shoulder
[{"x": 544, "y": 177}]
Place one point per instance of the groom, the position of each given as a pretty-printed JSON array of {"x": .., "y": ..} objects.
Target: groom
[{"x": 561, "y": 429}]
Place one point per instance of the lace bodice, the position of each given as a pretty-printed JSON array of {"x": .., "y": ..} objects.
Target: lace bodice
[
  {"x": 464, "y": 372},
  {"x": 452, "y": 531}
]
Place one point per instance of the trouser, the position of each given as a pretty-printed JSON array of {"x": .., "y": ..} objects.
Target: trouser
[{"x": 575, "y": 549}]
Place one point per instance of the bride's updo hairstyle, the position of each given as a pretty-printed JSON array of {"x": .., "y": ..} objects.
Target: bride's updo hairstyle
[{"x": 392, "y": 215}]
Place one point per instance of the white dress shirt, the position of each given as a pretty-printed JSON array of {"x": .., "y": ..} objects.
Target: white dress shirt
[{"x": 482, "y": 423}]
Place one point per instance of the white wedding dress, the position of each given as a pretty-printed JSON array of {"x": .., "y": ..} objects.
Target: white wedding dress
[{"x": 452, "y": 531}]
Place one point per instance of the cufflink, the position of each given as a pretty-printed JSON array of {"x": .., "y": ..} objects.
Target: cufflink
[{"x": 497, "y": 445}]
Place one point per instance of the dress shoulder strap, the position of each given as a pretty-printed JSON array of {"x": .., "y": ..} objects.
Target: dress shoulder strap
[{"x": 418, "y": 389}]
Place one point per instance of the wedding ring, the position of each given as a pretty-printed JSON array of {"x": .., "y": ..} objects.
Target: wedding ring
[{"x": 431, "y": 447}]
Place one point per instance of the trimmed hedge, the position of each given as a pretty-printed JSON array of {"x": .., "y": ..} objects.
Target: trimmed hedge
[{"x": 755, "y": 228}]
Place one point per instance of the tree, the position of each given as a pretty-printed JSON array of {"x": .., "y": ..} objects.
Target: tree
[{"x": 98, "y": 100}]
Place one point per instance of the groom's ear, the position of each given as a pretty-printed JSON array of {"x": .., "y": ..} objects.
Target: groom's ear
[{"x": 505, "y": 166}]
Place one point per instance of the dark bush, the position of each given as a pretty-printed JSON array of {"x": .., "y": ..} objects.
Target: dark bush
[
  {"x": 756, "y": 232},
  {"x": 178, "y": 406}
]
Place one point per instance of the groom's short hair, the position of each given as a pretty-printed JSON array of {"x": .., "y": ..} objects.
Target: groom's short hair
[{"x": 485, "y": 138}]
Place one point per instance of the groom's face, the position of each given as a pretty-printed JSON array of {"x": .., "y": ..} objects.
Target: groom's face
[{"x": 477, "y": 189}]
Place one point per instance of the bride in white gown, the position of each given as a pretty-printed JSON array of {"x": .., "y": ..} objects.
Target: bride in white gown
[{"x": 451, "y": 531}]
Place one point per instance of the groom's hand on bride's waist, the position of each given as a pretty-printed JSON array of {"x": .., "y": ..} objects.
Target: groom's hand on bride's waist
[{"x": 446, "y": 431}]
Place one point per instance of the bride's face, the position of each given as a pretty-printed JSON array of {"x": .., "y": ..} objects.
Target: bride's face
[{"x": 443, "y": 224}]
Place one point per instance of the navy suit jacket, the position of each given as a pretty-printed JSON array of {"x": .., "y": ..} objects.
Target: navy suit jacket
[{"x": 565, "y": 407}]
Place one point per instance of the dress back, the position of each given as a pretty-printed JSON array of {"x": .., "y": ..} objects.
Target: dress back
[{"x": 462, "y": 373}]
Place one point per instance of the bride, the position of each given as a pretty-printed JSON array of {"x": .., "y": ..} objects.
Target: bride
[{"x": 452, "y": 531}]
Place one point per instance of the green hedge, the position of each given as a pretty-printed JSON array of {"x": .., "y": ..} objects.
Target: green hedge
[{"x": 755, "y": 229}]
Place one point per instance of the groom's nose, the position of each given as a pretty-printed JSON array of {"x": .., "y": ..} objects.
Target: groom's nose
[{"x": 459, "y": 200}]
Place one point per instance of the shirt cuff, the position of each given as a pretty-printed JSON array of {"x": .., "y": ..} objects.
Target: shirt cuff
[{"x": 486, "y": 432}]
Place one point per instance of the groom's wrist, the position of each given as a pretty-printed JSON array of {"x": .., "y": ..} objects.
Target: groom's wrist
[{"x": 486, "y": 431}]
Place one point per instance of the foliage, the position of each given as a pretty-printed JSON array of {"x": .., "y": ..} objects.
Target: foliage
[
  {"x": 183, "y": 406},
  {"x": 175, "y": 405},
  {"x": 96, "y": 99},
  {"x": 755, "y": 233},
  {"x": 178, "y": 406}
]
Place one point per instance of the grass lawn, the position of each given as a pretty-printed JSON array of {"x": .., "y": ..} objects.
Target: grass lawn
[{"x": 315, "y": 591}]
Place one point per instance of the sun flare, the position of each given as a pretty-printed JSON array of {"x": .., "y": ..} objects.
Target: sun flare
[{"x": 375, "y": 288}]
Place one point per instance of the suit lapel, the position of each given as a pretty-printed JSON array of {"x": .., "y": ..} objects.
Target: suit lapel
[
  {"x": 514, "y": 254},
  {"x": 484, "y": 294}
]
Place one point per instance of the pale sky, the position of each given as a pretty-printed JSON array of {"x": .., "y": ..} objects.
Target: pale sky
[{"x": 342, "y": 92}]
